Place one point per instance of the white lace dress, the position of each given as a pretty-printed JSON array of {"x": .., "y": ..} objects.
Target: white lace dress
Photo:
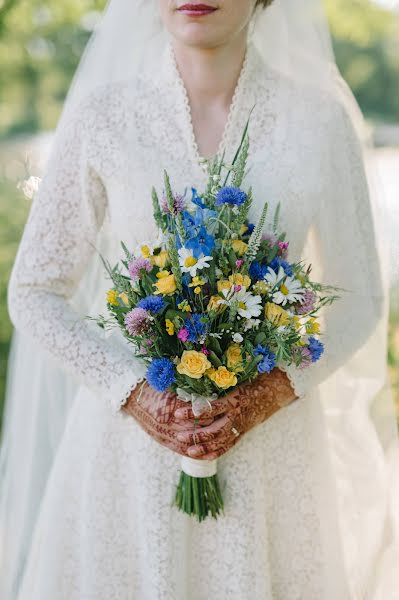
[{"x": 106, "y": 528}]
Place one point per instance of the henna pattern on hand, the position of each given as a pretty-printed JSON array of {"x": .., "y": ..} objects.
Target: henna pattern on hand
[{"x": 171, "y": 422}]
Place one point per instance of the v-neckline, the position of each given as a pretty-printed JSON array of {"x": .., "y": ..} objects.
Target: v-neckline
[{"x": 186, "y": 107}]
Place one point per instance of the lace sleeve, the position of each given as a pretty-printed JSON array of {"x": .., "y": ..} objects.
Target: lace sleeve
[
  {"x": 345, "y": 238},
  {"x": 56, "y": 246}
]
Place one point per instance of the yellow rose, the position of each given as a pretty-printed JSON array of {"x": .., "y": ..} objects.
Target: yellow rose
[
  {"x": 112, "y": 297},
  {"x": 234, "y": 358},
  {"x": 125, "y": 299},
  {"x": 239, "y": 279},
  {"x": 162, "y": 274},
  {"x": 239, "y": 247},
  {"x": 193, "y": 364},
  {"x": 170, "y": 328},
  {"x": 277, "y": 315},
  {"x": 166, "y": 285},
  {"x": 222, "y": 377},
  {"x": 243, "y": 229},
  {"x": 160, "y": 260},
  {"x": 223, "y": 284}
]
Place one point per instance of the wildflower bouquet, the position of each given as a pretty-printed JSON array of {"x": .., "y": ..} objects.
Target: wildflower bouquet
[{"x": 214, "y": 303}]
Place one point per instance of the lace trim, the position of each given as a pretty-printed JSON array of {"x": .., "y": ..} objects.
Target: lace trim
[
  {"x": 117, "y": 401},
  {"x": 297, "y": 380},
  {"x": 239, "y": 88}
]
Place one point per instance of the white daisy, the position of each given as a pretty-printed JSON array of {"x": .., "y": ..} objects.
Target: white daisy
[
  {"x": 284, "y": 288},
  {"x": 190, "y": 264},
  {"x": 251, "y": 324},
  {"x": 249, "y": 306}
]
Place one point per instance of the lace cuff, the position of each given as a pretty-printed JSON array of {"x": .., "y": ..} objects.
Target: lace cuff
[{"x": 298, "y": 378}]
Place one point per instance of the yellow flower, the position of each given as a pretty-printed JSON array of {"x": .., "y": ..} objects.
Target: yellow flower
[
  {"x": 215, "y": 304},
  {"x": 197, "y": 290},
  {"x": 125, "y": 299},
  {"x": 312, "y": 326},
  {"x": 145, "y": 251},
  {"x": 277, "y": 315},
  {"x": 193, "y": 364},
  {"x": 160, "y": 260},
  {"x": 234, "y": 358},
  {"x": 296, "y": 322},
  {"x": 239, "y": 279},
  {"x": 166, "y": 285},
  {"x": 112, "y": 297},
  {"x": 197, "y": 281},
  {"x": 222, "y": 377},
  {"x": 223, "y": 284},
  {"x": 184, "y": 306},
  {"x": 243, "y": 229},
  {"x": 163, "y": 274},
  {"x": 261, "y": 287},
  {"x": 170, "y": 328},
  {"x": 239, "y": 247}
]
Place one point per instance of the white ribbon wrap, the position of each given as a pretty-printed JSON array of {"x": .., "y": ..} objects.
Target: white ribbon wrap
[
  {"x": 199, "y": 468},
  {"x": 200, "y": 404}
]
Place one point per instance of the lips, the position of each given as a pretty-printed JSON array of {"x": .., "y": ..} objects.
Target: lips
[{"x": 196, "y": 9}]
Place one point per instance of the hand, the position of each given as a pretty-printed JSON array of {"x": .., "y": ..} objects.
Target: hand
[
  {"x": 155, "y": 413},
  {"x": 235, "y": 414}
]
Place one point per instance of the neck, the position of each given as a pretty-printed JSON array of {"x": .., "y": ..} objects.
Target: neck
[{"x": 210, "y": 74}]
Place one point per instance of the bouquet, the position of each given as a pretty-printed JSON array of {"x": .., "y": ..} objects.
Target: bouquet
[{"x": 213, "y": 303}]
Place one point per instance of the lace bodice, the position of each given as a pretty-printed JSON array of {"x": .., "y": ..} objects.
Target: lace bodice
[{"x": 98, "y": 185}]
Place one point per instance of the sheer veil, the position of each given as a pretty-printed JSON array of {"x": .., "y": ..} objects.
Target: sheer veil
[{"x": 292, "y": 36}]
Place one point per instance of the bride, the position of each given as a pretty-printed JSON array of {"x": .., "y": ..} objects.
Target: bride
[{"x": 161, "y": 86}]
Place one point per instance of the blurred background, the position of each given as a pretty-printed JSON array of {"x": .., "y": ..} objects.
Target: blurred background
[{"x": 40, "y": 45}]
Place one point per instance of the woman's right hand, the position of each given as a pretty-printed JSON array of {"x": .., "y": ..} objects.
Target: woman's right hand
[{"x": 155, "y": 413}]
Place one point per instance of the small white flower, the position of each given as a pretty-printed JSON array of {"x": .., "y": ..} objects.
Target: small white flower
[
  {"x": 237, "y": 338},
  {"x": 251, "y": 324},
  {"x": 285, "y": 288},
  {"x": 249, "y": 306},
  {"x": 30, "y": 186},
  {"x": 190, "y": 264}
]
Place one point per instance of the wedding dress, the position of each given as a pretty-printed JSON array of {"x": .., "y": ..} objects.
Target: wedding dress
[{"x": 297, "y": 525}]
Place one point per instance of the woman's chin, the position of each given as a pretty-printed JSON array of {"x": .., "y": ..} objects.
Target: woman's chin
[{"x": 197, "y": 35}]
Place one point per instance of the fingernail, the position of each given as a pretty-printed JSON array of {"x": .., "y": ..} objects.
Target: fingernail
[
  {"x": 181, "y": 437},
  {"x": 194, "y": 452}
]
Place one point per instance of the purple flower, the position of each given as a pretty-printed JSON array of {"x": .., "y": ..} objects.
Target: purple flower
[
  {"x": 139, "y": 265},
  {"x": 183, "y": 335},
  {"x": 230, "y": 195},
  {"x": 306, "y": 357},
  {"x": 178, "y": 205},
  {"x": 137, "y": 321},
  {"x": 308, "y": 304},
  {"x": 161, "y": 374},
  {"x": 152, "y": 304},
  {"x": 270, "y": 238}
]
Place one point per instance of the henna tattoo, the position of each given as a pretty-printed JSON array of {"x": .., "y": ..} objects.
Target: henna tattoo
[{"x": 171, "y": 422}]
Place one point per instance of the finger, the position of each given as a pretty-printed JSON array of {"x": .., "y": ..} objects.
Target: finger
[
  {"x": 193, "y": 423},
  {"x": 219, "y": 427},
  {"x": 219, "y": 407},
  {"x": 205, "y": 448},
  {"x": 220, "y": 451}
]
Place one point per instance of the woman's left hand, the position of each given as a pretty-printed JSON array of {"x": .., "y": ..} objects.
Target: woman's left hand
[{"x": 250, "y": 404}]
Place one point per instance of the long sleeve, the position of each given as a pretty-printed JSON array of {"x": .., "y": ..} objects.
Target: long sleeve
[
  {"x": 56, "y": 246},
  {"x": 346, "y": 256}
]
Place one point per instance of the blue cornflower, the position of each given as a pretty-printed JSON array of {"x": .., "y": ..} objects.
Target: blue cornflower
[
  {"x": 161, "y": 374},
  {"x": 202, "y": 244},
  {"x": 153, "y": 304},
  {"x": 257, "y": 271},
  {"x": 251, "y": 228},
  {"x": 230, "y": 195},
  {"x": 316, "y": 348},
  {"x": 197, "y": 327},
  {"x": 268, "y": 362},
  {"x": 280, "y": 262}
]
